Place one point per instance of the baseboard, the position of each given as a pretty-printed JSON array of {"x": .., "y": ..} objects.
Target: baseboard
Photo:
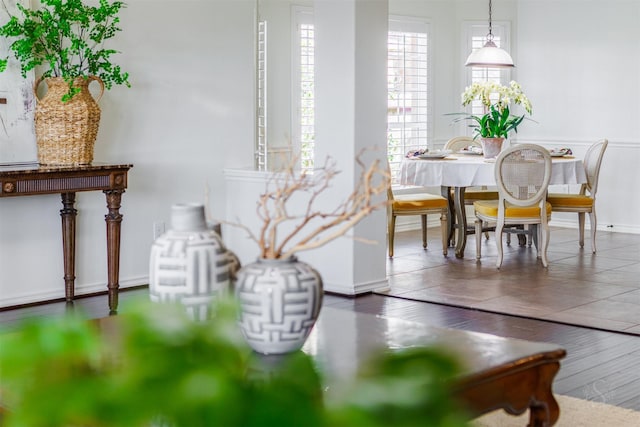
[
  {"x": 80, "y": 290},
  {"x": 413, "y": 223},
  {"x": 630, "y": 229},
  {"x": 356, "y": 289},
  {"x": 410, "y": 223}
]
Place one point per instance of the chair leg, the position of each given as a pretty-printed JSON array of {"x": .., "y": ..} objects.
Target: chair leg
[
  {"x": 424, "y": 231},
  {"x": 581, "y": 228},
  {"x": 391, "y": 227},
  {"x": 544, "y": 243},
  {"x": 524, "y": 236},
  {"x": 498, "y": 233},
  {"x": 444, "y": 226},
  {"x": 594, "y": 227},
  {"x": 478, "y": 238}
]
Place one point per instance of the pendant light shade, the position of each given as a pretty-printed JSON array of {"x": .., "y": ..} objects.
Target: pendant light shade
[{"x": 490, "y": 55}]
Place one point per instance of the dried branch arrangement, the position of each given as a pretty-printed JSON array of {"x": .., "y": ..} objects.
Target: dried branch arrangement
[{"x": 313, "y": 228}]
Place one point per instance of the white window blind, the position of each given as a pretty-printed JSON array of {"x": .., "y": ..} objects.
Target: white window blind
[
  {"x": 303, "y": 86},
  {"x": 261, "y": 86},
  {"x": 307, "y": 97},
  {"x": 407, "y": 88}
]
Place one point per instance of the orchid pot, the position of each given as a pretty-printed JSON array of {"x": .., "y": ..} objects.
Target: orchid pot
[{"x": 491, "y": 147}]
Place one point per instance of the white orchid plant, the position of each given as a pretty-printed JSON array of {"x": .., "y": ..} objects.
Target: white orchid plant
[{"x": 497, "y": 121}]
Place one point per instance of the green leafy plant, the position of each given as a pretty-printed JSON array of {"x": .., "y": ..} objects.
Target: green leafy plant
[
  {"x": 497, "y": 121},
  {"x": 66, "y": 36},
  {"x": 152, "y": 365}
]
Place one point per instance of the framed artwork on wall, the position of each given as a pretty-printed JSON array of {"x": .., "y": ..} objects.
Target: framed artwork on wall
[{"x": 17, "y": 102}]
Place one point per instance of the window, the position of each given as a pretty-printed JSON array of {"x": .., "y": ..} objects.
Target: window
[
  {"x": 407, "y": 84},
  {"x": 307, "y": 97},
  {"x": 407, "y": 89},
  {"x": 304, "y": 88},
  {"x": 261, "y": 102}
]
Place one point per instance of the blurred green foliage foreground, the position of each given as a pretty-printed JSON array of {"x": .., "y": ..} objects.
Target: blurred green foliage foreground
[{"x": 152, "y": 366}]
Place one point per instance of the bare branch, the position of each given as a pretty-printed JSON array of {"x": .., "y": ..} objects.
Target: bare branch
[
  {"x": 312, "y": 228},
  {"x": 358, "y": 205}
]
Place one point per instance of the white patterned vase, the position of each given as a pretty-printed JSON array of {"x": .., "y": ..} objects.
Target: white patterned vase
[
  {"x": 280, "y": 300},
  {"x": 189, "y": 264}
]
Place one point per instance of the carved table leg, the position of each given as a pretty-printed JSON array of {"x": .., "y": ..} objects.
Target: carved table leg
[
  {"x": 113, "y": 220},
  {"x": 461, "y": 221},
  {"x": 68, "y": 214},
  {"x": 544, "y": 410}
]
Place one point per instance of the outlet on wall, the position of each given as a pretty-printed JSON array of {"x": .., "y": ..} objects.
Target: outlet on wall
[{"x": 158, "y": 229}]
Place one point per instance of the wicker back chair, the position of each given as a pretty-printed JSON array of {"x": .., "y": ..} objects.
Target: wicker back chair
[
  {"x": 585, "y": 200},
  {"x": 522, "y": 176}
]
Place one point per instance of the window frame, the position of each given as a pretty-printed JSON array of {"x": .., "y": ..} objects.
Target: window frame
[
  {"x": 410, "y": 24},
  {"x": 300, "y": 15}
]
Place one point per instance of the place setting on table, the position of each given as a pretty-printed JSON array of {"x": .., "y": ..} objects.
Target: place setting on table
[
  {"x": 561, "y": 153},
  {"x": 471, "y": 150},
  {"x": 426, "y": 154}
]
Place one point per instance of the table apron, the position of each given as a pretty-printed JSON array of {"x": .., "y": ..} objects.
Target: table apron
[{"x": 16, "y": 186}]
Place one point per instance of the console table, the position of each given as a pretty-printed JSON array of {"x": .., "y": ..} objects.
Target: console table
[{"x": 31, "y": 180}]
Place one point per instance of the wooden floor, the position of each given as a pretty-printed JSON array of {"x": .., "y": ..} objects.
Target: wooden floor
[
  {"x": 600, "y": 366},
  {"x": 599, "y": 290}
]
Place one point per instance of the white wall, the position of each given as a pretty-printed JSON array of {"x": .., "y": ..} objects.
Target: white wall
[
  {"x": 580, "y": 64},
  {"x": 189, "y": 114}
]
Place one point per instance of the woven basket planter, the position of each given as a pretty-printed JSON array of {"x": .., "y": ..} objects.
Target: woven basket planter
[{"x": 66, "y": 131}]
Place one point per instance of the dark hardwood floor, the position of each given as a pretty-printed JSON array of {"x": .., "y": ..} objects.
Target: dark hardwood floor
[{"x": 600, "y": 366}]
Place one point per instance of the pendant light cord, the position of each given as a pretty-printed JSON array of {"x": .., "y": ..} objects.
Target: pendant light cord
[
  {"x": 490, "y": 35},
  {"x": 489, "y": 55}
]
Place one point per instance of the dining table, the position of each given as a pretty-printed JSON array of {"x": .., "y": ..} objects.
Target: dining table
[{"x": 458, "y": 171}]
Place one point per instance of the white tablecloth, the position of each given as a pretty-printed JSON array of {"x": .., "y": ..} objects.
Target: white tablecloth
[{"x": 465, "y": 170}]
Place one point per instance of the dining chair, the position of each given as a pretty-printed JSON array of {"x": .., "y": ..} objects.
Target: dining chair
[
  {"x": 584, "y": 201},
  {"x": 417, "y": 204},
  {"x": 522, "y": 175},
  {"x": 458, "y": 143},
  {"x": 471, "y": 195}
]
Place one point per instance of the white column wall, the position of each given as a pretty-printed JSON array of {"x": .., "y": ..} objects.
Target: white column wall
[{"x": 351, "y": 116}]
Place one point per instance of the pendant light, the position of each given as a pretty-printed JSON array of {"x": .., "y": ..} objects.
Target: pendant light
[{"x": 490, "y": 55}]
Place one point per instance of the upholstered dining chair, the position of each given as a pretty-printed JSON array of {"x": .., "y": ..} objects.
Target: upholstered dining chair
[
  {"x": 522, "y": 176},
  {"x": 471, "y": 195},
  {"x": 417, "y": 204},
  {"x": 585, "y": 201}
]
